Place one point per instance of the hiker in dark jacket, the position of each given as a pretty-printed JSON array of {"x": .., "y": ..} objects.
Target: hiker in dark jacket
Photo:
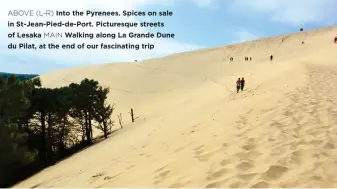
[
  {"x": 238, "y": 83},
  {"x": 242, "y": 84}
]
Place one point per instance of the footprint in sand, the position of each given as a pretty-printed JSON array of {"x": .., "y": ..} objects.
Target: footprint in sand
[
  {"x": 161, "y": 169},
  {"x": 271, "y": 139},
  {"x": 111, "y": 177},
  {"x": 248, "y": 155},
  {"x": 216, "y": 174},
  {"x": 95, "y": 177},
  {"x": 198, "y": 152},
  {"x": 248, "y": 147},
  {"x": 277, "y": 124},
  {"x": 236, "y": 184},
  {"x": 247, "y": 177},
  {"x": 289, "y": 111},
  {"x": 164, "y": 173},
  {"x": 245, "y": 165},
  {"x": 198, "y": 149},
  {"x": 274, "y": 172},
  {"x": 130, "y": 167},
  {"x": 224, "y": 162},
  {"x": 180, "y": 183},
  {"x": 205, "y": 156},
  {"x": 316, "y": 178},
  {"x": 329, "y": 146},
  {"x": 261, "y": 184},
  {"x": 107, "y": 178},
  {"x": 213, "y": 185},
  {"x": 161, "y": 174},
  {"x": 296, "y": 157},
  {"x": 316, "y": 142},
  {"x": 98, "y": 175}
]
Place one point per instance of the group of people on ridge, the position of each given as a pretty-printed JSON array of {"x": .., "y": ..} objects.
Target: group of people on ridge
[{"x": 240, "y": 84}]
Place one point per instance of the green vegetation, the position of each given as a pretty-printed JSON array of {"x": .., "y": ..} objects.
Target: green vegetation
[
  {"x": 20, "y": 76},
  {"x": 39, "y": 126}
]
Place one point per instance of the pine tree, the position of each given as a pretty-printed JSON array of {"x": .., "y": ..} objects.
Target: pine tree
[{"x": 103, "y": 111}]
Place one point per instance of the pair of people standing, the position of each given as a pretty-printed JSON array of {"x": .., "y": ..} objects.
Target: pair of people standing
[{"x": 240, "y": 84}]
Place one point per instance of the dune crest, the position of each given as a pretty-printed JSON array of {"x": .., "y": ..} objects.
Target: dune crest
[{"x": 194, "y": 130}]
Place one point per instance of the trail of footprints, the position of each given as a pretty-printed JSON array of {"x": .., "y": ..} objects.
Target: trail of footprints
[
  {"x": 312, "y": 111},
  {"x": 244, "y": 163}
]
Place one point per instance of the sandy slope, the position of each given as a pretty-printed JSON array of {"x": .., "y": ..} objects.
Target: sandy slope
[{"x": 195, "y": 131}]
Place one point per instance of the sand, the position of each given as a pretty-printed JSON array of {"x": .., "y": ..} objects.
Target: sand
[{"x": 194, "y": 130}]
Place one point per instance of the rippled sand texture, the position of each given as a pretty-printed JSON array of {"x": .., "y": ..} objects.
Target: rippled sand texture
[{"x": 193, "y": 129}]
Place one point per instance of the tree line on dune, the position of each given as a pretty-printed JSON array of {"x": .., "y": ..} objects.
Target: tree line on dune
[
  {"x": 20, "y": 76},
  {"x": 39, "y": 126}
]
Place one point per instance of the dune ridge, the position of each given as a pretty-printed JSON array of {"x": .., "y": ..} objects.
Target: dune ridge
[{"x": 193, "y": 129}]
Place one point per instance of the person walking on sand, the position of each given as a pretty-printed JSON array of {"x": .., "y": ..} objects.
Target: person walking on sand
[
  {"x": 238, "y": 83},
  {"x": 242, "y": 84}
]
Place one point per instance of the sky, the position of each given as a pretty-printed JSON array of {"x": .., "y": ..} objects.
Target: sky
[{"x": 197, "y": 24}]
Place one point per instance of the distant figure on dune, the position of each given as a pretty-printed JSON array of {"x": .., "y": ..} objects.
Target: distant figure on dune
[
  {"x": 302, "y": 42},
  {"x": 282, "y": 39},
  {"x": 250, "y": 59},
  {"x": 335, "y": 40},
  {"x": 238, "y": 83},
  {"x": 242, "y": 84},
  {"x": 246, "y": 58},
  {"x": 271, "y": 57},
  {"x": 231, "y": 59}
]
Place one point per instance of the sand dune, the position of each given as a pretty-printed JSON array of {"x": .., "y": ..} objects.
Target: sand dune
[{"x": 193, "y": 129}]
